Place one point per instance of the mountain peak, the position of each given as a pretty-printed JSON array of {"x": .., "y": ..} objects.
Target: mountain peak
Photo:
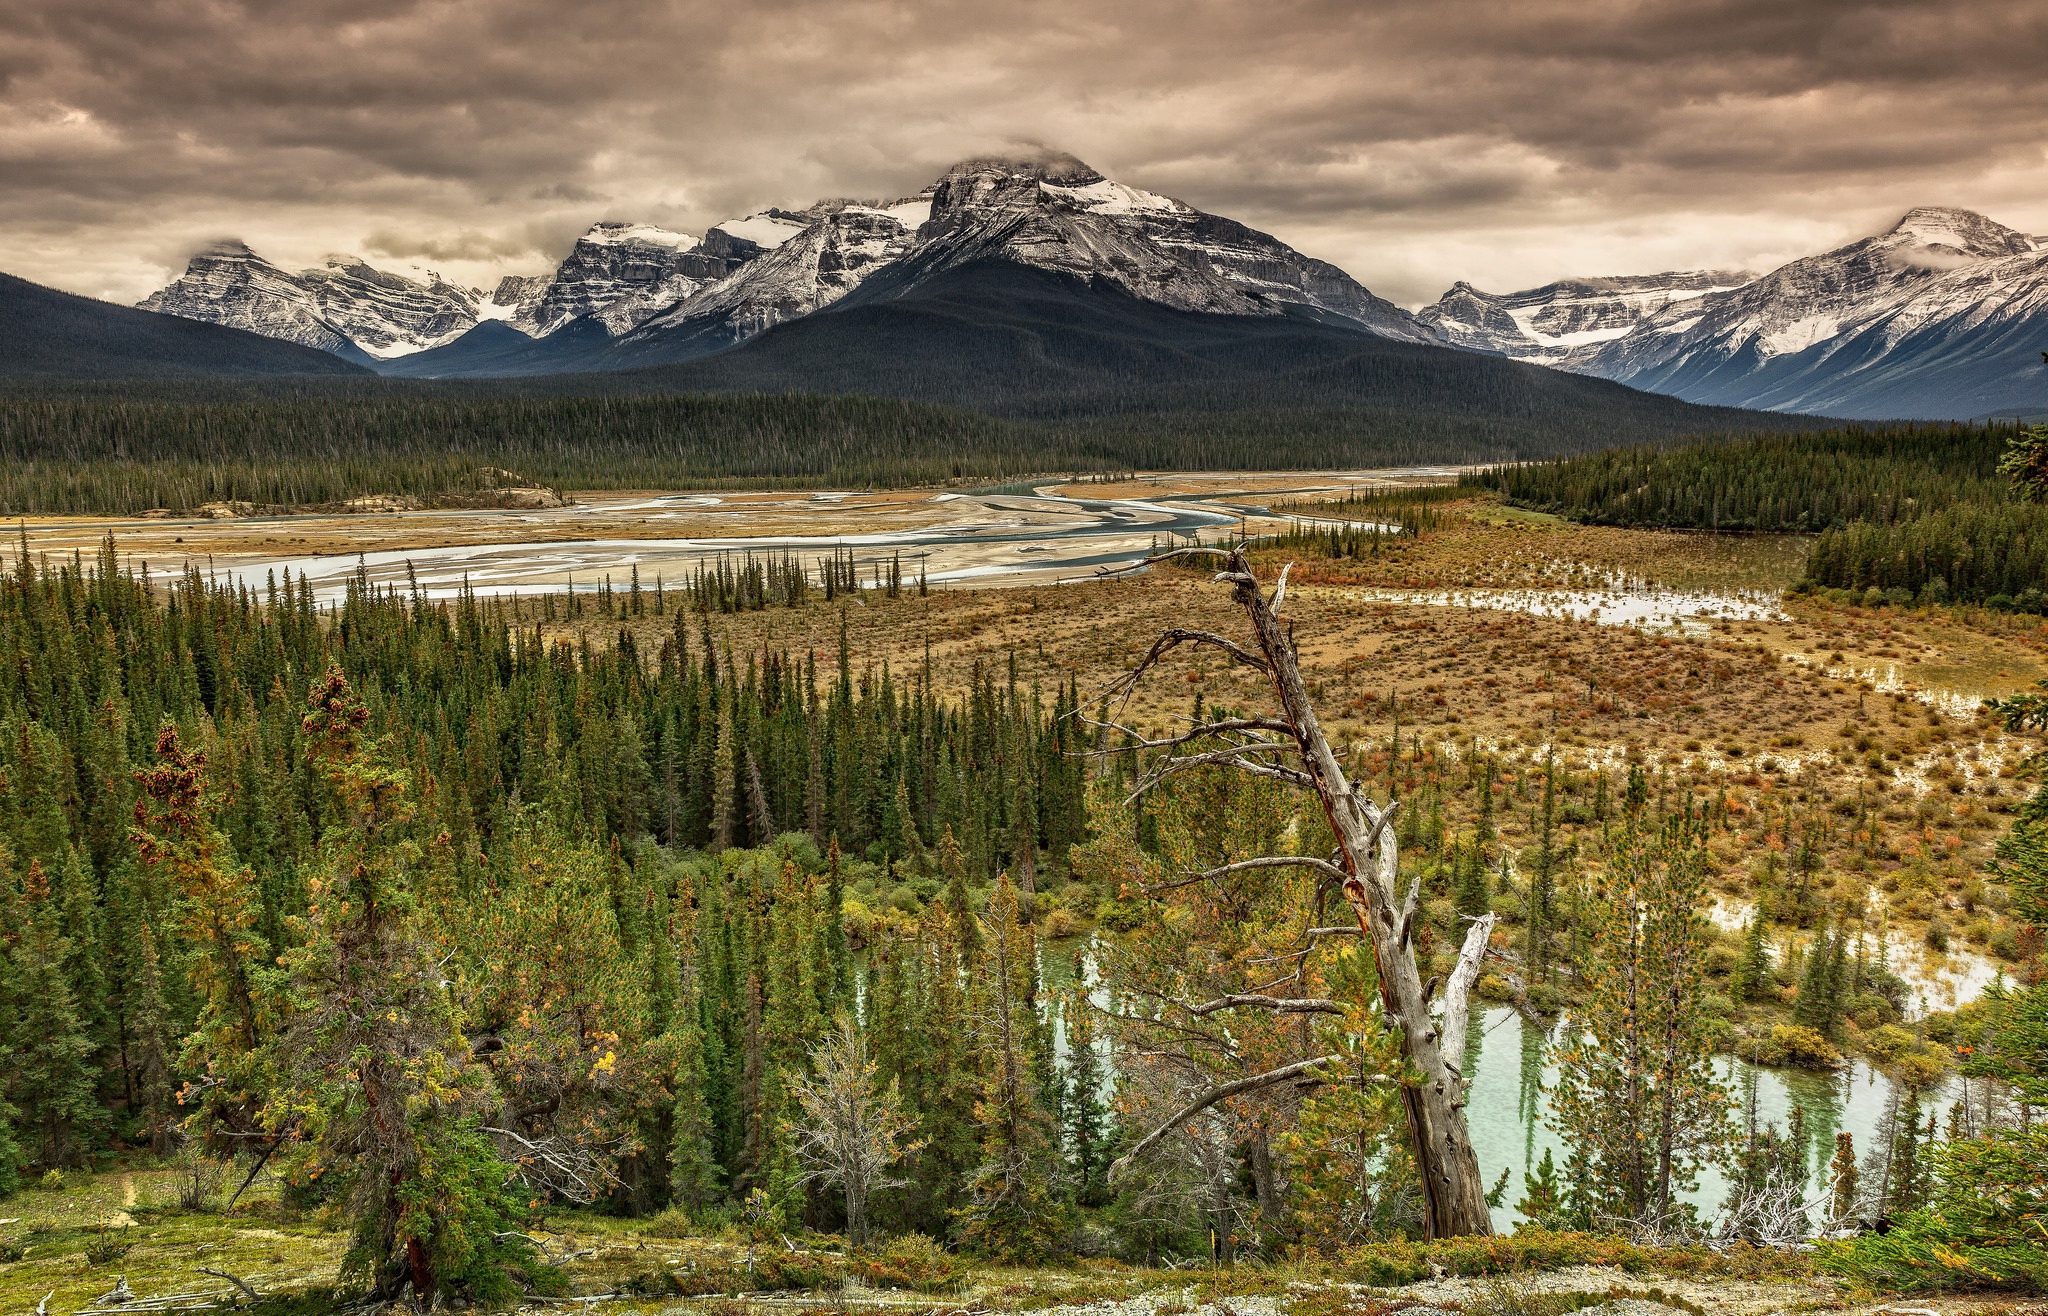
[
  {"x": 612, "y": 232},
  {"x": 226, "y": 249},
  {"x": 1038, "y": 165},
  {"x": 1957, "y": 230}
]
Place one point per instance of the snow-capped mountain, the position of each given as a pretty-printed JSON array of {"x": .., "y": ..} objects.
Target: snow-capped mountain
[
  {"x": 1055, "y": 213},
  {"x": 622, "y": 273},
  {"x": 1553, "y": 323},
  {"x": 806, "y": 260},
  {"x": 1943, "y": 315},
  {"x": 347, "y": 307},
  {"x": 662, "y": 295}
]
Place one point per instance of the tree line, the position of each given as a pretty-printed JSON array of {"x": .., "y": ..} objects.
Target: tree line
[{"x": 1929, "y": 514}]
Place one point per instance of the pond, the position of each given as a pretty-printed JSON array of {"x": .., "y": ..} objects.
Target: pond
[
  {"x": 1507, "y": 1061},
  {"x": 1508, "y": 1064}
]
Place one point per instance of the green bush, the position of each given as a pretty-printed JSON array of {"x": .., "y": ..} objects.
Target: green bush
[
  {"x": 1987, "y": 1226},
  {"x": 907, "y": 1261}
]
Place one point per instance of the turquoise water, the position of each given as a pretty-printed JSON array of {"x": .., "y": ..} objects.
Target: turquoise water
[{"x": 1507, "y": 1061}]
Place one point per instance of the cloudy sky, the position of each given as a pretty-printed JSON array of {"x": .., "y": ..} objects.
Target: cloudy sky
[{"x": 1413, "y": 142}]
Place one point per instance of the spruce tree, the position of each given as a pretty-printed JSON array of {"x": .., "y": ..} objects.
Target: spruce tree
[
  {"x": 53, "y": 1082},
  {"x": 1542, "y": 1194},
  {"x": 1013, "y": 1213},
  {"x": 1753, "y": 969},
  {"x": 1088, "y": 1117},
  {"x": 1636, "y": 1088},
  {"x": 1844, "y": 1196}
]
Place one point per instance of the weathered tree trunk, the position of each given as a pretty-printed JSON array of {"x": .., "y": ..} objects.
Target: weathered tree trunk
[{"x": 1453, "y": 1194}]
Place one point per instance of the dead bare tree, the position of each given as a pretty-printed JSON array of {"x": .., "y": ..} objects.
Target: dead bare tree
[{"x": 1290, "y": 746}]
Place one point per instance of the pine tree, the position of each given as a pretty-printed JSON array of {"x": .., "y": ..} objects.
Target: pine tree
[
  {"x": 52, "y": 1085},
  {"x": 1819, "y": 1005},
  {"x": 1753, "y": 970},
  {"x": 1636, "y": 1087},
  {"x": 1088, "y": 1118},
  {"x": 376, "y": 1048},
  {"x": 1844, "y": 1197},
  {"x": 1475, "y": 891},
  {"x": 1012, "y": 1213},
  {"x": 1542, "y": 1194}
]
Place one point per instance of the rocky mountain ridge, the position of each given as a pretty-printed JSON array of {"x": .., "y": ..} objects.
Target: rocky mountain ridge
[
  {"x": 1937, "y": 316},
  {"x": 665, "y": 295}
]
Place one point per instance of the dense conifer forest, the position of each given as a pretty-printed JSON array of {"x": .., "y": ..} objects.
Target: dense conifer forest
[
  {"x": 445, "y": 912},
  {"x": 1932, "y": 514},
  {"x": 127, "y": 448}
]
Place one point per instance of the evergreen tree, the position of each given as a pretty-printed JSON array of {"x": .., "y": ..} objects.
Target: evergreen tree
[
  {"x": 374, "y": 1055},
  {"x": 1542, "y": 1194},
  {"x": 1013, "y": 1212},
  {"x": 1753, "y": 969},
  {"x": 1088, "y": 1134},
  {"x": 52, "y": 1084},
  {"x": 1636, "y": 1087},
  {"x": 1843, "y": 1197}
]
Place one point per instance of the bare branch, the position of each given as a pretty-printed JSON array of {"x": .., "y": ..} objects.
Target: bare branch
[
  {"x": 1204, "y": 551},
  {"x": 1225, "y": 758},
  {"x": 1264, "y": 861},
  {"x": 1277, "y": 1004},
  {"x": 1458, "y": 992},
  {"x": 1205, "y": 729},
  {"x": 1224, "y": 1092},
  {"x": 1334, "y": 932},
  {"x": 1164, "y": 645},
  {"x": 235, "y": 1280}
]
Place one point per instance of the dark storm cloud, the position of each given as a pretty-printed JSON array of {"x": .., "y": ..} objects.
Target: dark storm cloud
[{"x": 1503, "y": 140}]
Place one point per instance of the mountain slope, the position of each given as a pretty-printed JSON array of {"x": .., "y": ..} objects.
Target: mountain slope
[
  {"x": 1049, "y": 213},
  {"x": 348, "y": 308},
  {"x": 1033, "y": 344},
  {"x": 1568, "y": 318},
  {"x": 47, "y": 334},
  {"x": 1941, "y": 316}
]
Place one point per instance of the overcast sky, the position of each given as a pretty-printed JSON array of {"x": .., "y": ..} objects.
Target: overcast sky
[{"x": 1413, "y": 142}]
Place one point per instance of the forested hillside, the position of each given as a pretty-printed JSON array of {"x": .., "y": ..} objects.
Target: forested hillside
[
  {"x": 47, "y": 334},
  {"x": 1933, "y": 514},
  {"x": 1774, "y": 483}
]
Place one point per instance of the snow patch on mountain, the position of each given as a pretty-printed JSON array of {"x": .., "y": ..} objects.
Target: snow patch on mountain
[
  {"x": 1934, "y": 317},
  {"x": 766, "y": 230},
  {"x": 1552, "y": 323}
]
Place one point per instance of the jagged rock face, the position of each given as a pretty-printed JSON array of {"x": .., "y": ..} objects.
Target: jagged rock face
[
  {"x": 1552, "y": 323},
  {"x": 1055, "y": 213},
  {"x": 621, "y": 272},
  {"x": 346, "y": 305},
  {"x": 826, "y": 253},
  {"x": 1814, "y": 333},
  {"x": 388, "y": 314},
  {"x": 1049, "y": 212},
  {"x": 231, "y": 285}
]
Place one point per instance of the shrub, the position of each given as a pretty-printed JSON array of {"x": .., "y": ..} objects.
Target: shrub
[
  {"x": 907, "y": 1261},
  {"x": 1062, "y": 923},
  {"x": 1887, "y": 1042},
  {"x": 670, "y": 1222},
  {"x": 1803, "y": 1046}
]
